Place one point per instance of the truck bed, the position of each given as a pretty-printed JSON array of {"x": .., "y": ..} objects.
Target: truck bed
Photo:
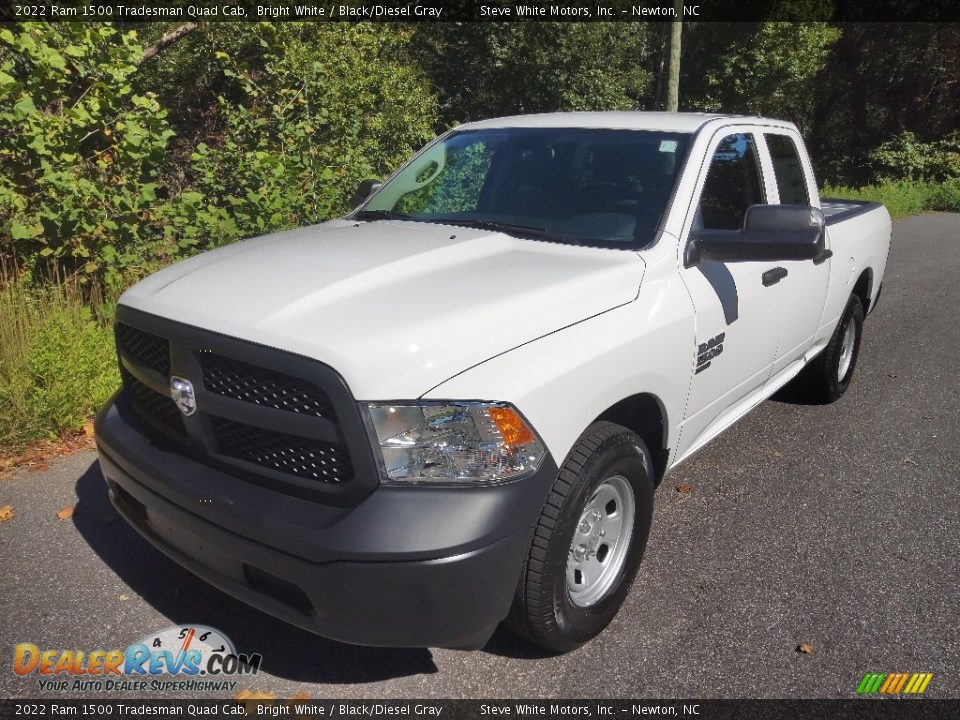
[{"x": 837, "y": 210}]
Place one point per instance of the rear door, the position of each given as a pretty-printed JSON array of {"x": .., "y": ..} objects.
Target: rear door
[{"x": 803, "y": 289}]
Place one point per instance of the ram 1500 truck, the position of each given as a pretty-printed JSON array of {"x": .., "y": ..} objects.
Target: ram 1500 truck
[{"x": 452, "y": 406}]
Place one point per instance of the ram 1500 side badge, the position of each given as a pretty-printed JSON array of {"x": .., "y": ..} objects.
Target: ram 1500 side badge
[{"x": 707, "y": 351}]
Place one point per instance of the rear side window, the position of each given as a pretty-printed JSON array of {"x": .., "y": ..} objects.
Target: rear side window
[
  {"x": 733, "y": 183},
  {"x": 789, "y": 171}
]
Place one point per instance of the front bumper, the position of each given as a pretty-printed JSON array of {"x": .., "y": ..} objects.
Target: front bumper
[{"x": 405, "y": 567}]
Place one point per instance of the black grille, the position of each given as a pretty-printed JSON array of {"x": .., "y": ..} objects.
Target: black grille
[
  {"x": 144, "y": 348},
  {"x": 154, "y": 405},
  {"x": 238, "y": 380},
  {"x": 263, "y": 415},
  {"x": 290, "y": 454}
]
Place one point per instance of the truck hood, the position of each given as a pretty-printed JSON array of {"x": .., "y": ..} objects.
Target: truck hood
[{"x": 395, "y": 307}]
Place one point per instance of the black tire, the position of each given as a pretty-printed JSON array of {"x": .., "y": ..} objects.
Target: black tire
[
  {"x": 821, "y": 380},
  {"x": 543, "y": 611}
]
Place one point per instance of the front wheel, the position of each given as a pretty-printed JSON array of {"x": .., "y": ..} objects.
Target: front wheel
[{"x": 588, "y": 541}]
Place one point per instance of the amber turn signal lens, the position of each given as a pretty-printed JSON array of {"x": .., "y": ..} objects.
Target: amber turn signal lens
[{"x": 512, "y": 428}]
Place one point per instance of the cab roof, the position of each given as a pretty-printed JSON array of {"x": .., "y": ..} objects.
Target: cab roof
[{"x": 684, "y": 122}]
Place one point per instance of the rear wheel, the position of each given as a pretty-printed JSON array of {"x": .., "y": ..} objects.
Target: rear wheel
[
  {"x": 828, "y": 376},
  {"x": 588, "y": 541}
]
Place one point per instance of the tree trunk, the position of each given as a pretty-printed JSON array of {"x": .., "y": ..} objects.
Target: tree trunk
[
  {"x": 167, "y": 39},
  {"x": 673, "y": 64},
  {"x": 659, "y": 95}
]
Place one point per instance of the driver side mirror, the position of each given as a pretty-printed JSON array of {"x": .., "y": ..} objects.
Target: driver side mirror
[
  {"x": 769, "y": 233},
  {"x": 365, "y": 189}
]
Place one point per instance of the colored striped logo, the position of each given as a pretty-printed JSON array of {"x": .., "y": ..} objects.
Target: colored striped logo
[{"x": 894, "y": 683}]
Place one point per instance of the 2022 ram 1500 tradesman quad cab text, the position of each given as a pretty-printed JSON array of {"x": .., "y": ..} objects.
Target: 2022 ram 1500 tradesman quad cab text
[{"x": 452, "y": 406}]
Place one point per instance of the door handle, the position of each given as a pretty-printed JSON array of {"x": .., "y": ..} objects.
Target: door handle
[{"x": 773, "y": 276}]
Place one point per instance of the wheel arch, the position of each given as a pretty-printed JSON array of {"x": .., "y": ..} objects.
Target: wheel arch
[
  {"x": 863, "y": 289},
  {"x": 644, "y": 414}
]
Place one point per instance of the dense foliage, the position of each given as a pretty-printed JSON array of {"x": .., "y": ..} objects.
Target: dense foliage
[
  {"x": 319, "y": 109},
  {"x": 763, "y": 69},
  {"x": 99, "y": 180},
  {"x": 489, "y": 69},
  {"x": 57, "y": 362},
  {"x": 112, "y": 166},
  {"x": 81, "y": 150},
  {"x": 115, "y": 161}
]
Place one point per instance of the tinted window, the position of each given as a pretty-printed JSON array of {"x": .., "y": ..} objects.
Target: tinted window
[
  {"x": 456, "y": 186},
  {"x": 786, "y": 166},
  {"x": 733, "y": 184},
  {"x": 577, "y": 183}
]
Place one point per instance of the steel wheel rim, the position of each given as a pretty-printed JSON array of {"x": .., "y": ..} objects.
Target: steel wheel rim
[
  {"x": 846, "y": 350},
  {"x": 601, "y": 541}
]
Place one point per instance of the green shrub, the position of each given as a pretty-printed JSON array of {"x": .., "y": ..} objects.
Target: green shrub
[
  {"x": 57, "y": 362},
  {"x": 89, "y": 187},
  {"x": 80, "y": 150},
  {"x": 292, "y": 150},
  {"x": 906, "y": 158},
  {"x": 946, "y": 196}
]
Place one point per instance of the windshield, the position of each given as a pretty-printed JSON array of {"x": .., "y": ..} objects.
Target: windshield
[{"x": 577, "y": 184}]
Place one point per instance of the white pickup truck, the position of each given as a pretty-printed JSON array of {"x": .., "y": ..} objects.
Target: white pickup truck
[{"x": 452, "y": 406}]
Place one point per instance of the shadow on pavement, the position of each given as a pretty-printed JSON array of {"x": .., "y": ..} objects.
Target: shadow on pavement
[
  {"x": 793, "y": 394},
  {"x": 506, "y": 644},
  {"x": 288, "y": 652}
]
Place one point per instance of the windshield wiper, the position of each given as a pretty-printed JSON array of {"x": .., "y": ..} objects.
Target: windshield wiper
[
  {"x": 381, "y": 215},
  {"x": 508, "y": 228}
]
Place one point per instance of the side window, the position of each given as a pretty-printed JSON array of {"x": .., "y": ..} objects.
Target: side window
[
  {"x": 733, "y": 183},
  {"x": 789, "y": 171}
]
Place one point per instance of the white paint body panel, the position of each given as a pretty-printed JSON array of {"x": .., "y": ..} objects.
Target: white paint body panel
[
  {"x": 403, "y": 310},
  {"x": 396, "y": 308}
]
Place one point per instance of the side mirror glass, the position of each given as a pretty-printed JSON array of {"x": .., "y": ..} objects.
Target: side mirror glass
[
  {"x": 365, "y": 189},
  {"x": 769, "y": 233}
]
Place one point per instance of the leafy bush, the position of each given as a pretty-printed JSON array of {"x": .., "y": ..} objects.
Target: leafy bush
[
  {"x": 80, "y": 150},
  {"x": 906, "y": 158},
  {"x": 945, "y": 196},
  {"x": 57, "y": 362},
  {"x": 768, "y": 69},
  {"x": 88, "y": 185},
  {"x": 483, "y": 70},
  {"x": 306, "y": 133}
]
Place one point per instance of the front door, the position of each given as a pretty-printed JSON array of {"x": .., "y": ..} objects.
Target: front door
[{"x": 737, "y": 316}]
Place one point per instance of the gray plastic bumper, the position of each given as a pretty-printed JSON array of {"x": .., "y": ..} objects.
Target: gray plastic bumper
[{"x": 410, "y": 567}]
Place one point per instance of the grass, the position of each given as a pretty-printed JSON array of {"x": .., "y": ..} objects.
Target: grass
[
  {"x": 57, "y": 362},
  {"x": 907, "y": 197}
]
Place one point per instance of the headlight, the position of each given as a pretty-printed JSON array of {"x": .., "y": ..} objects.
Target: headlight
[{"x": 455, "y": 442}]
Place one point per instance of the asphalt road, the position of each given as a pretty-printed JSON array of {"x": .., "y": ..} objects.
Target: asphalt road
[{"x": 836, "y": 526}]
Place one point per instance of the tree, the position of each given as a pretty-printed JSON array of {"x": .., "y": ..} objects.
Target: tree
[
  {"x": 318, "y": 108},
  {"x": 166, "y": 40},
  {"x": 673, "y": 64},
  {"x": 277, "y": 125},
  {"x": 882, "y": 80},
  {"x": 484, "y": 70},
  {"x": 768, "y": 68}
]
